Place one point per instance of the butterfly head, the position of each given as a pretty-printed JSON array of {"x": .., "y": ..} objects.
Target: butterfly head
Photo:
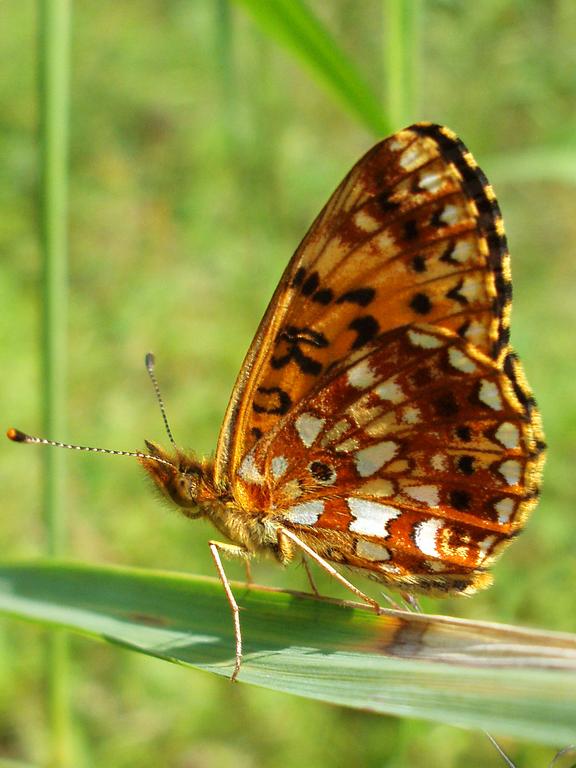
[{"x": 180, "y": 477}]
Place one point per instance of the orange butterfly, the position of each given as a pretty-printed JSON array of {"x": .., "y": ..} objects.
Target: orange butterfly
[{"x": 380, "y": 420}]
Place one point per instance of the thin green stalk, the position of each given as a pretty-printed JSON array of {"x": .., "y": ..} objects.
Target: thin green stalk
[
  {"x": 402, "y": 23},
  {"x": 54, "y": 40}
]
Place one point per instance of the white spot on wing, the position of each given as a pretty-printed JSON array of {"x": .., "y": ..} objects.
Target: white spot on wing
[
  {"x": 390, "y": 390},
  {"x": 508, "y": 434},
  {"x": 425, "y": 536},
  {"x": 308, "y": 427},
  {"x": 377, "y": 487},
  {"x": 427, "y": 494},
  {"x": 460, "y": 361},
  {"x": 450, "y": 215},
  {"x": 279, "y": 465},
  {"x": 476, "y": 333},
  {"x": 384, "y": 241},
  {"x": 411, "y": 157},
  {"x": 505, "y": 508},
  {"x": 371, "y": 517},
  {"x": 370, "y": 460},
  {"x": 490, "y": 395},
  {"x": 486, "y": 544},
  {"x": 439, "y": 462},
  {"x": 249, "y": 471},
  {"x": 511, "y": 471},
  {"x": 365, "y": 222},
  {"x": 291, "y": 490},
  {"x": 361, "y": 375},
  {"x": 396, "y": 144},
  {"x": 424, "y": 340},
  {"x": 436, "y": 565},
  {"x": 372, "y": 551},
  {"x": 471, "y": 289},
  {"x": 430, "y": 181},
  {"x": 462, "y": 252},
  {"x": 306, "y": 513},
  {"x": 411, "y": 415}
]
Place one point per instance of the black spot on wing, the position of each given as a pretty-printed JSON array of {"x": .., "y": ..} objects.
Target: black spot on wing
[
  {"x": 447, "y": 254},
  {"x": 465, "y": 464},
  {"x": 384, "y": 203},
  {"x": 455, "y": 295},
  {"x": 360, "y": 296},
  {"x": 323, "y": 296},
  {"x": 446, "y": 405},
  {"x": 311, "y": 284},
  {"x": 298, "y": 278},
  {"x": 272, "y": 400},
  {"x": 421, "y": 303},
  {"x": 460, "y": 499},
  {"x": 464, "y": 433},
  {"x": 365, "y": 328},
  {"x": 418, "y": 264},
  {"x": 410, "y": 229},
  {"x": 436, "y": 219}
]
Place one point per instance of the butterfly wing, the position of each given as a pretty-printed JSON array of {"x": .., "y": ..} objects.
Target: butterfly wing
[
  {"x": 413, "y": 461},
  {"x": 413, "y": 233}
]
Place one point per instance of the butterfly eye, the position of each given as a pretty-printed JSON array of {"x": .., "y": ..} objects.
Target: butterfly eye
[{"x": 183, "y": 489}]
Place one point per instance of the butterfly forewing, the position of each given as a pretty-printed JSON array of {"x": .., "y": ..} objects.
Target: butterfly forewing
[
  {"x": 414, "y": 461},
  {"x": 412, "y": 234}
]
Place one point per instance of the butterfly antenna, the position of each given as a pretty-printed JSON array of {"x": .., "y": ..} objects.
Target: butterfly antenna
[
  {"x": 18, "y": 436},
  {"x": 150, "y": 363}
]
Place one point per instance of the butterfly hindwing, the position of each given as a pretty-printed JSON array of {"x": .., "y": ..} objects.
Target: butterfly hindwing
[{"x": 413, "y": 461}]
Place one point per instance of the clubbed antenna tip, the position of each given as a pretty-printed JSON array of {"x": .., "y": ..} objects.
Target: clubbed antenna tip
[{"x": 16, "y": 435}]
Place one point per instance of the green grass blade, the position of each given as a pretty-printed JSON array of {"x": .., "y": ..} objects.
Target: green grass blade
[
  {"x": 401, "y": 48},
  {"x": 53, "y": 86},
  {"x": 291, "y": 23},
  {"x": 506, "y": 680},
  {"x": 53, "y": 96}
]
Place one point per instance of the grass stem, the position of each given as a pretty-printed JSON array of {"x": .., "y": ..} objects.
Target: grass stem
[
  {"x": 402, "y": 23},
  {"x": 53, "y": 82}
]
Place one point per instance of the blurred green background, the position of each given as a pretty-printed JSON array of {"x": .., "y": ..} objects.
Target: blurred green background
[{"x": 201, "y": 150}]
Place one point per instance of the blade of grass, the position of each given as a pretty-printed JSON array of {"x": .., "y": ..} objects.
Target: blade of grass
[
  {"x": 53, "y": 82},
  {"x": 402, "y": 23},
  {"x": 291, "y": 23},
  {"x": 508, "y": 680}
]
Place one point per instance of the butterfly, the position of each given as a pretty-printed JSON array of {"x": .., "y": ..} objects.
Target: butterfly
[{"x": 380, "y": 421}]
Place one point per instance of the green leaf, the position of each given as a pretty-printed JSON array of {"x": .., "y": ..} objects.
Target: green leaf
[
  {"x": 292, "y": 24},
  {"x": 504, "y": 679}
]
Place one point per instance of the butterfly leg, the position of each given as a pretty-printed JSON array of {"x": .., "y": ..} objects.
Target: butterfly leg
[
  {"x": 286, "y": 534},
  {"x": 411, "y": 602},
  {"x": 232, "y": 551},
  {"x": 311, "y": 581},
  {"x": 248, "y": 568}
]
